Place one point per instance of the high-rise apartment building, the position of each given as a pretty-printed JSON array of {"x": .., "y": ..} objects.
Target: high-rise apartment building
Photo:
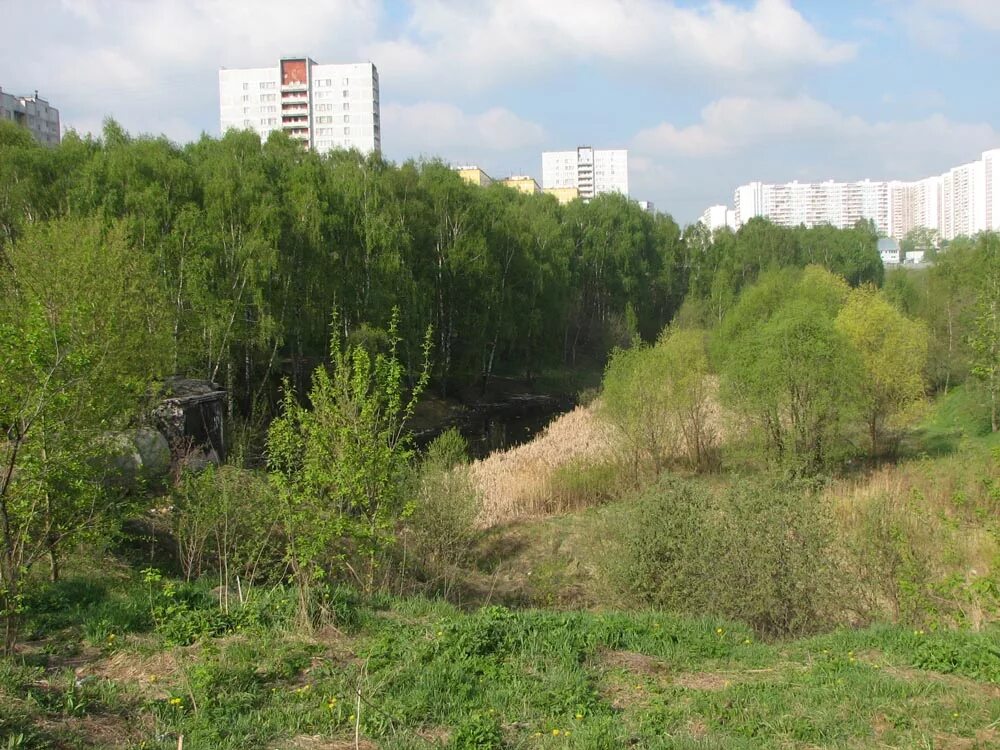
[
  {"x": 591, "y": 171},
  {"x": 33, "y": 113},
  {"x": 964, "y": 200},
  {"x": 323, "y": 106},
  {"x": 811, "y": 203}
]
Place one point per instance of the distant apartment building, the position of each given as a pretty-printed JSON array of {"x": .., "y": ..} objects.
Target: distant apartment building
[
  {"x": 591, "y": 171},
  {"x": 473, "y": 175},
  {"x": 964, "y": 200},
  {"x": 840, "y": 204},
  {"x": 562, "y": 194},
  {"x": 324, "y": 107},
  {"x": 524, "y": 183},
  {"x": 717, "y": 217},
  {"x": 647, "y": 206},
  {"x": 33, "y": 113}
]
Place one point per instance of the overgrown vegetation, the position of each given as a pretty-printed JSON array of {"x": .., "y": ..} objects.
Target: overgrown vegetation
[{"x": 781, "y": 445}]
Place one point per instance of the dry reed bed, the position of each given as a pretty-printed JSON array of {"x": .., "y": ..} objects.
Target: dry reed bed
[{"x": 518, "y": 482}]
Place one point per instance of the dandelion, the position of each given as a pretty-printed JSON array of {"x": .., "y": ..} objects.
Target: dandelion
[
  {"x": 153, "y": 678},
  {"x": 555, "y": 733},
  {"x": 440, "y": 633},
  {"x": 176, "y": 701},
  {"x": 566, "y": 733},
  {"x": 351, "y": 717},
  {"x": 719, "y": 631},
  {"x": 746, "y": 641},
  {"x": 332, "y": 703},
  {"x": 579, "y": 717}
]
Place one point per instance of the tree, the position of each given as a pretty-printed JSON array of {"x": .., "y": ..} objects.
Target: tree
[
  {"x": 985, "y": 334},
  {"x": 81, "y": 339},
  {"x": 893, "y": 353},
  {"x": 785, "y": 365},
  {"x": 658, "y": 399},
  {"x": 339, "y": 468}
]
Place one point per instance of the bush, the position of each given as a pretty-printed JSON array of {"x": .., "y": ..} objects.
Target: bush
[
  {"x": 442, "y": 525},
  {"x": 755, "y": 552}
]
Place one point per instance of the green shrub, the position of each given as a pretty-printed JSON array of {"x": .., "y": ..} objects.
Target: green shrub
[
  {"x": 755, "y": 552},
  {"x": 442, "y": 524}
]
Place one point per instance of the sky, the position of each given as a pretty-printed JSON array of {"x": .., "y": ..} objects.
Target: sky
[{"x": 705, "y": 95}]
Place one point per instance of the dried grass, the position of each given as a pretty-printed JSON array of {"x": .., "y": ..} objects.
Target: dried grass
[{"x": 518, "y": 482}]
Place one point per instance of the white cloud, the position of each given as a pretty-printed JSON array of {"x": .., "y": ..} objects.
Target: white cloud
[
  {"x": 984, "y": 13},
  {"x": 440, "y": 129},
  {"x": 475, "y": 45}
]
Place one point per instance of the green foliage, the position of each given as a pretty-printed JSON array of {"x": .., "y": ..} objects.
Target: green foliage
[
  {"x": 225, "y": 523},
  {"x": 79, "y": 344},
  {"x": 442, "y": 523},
  {"x": 984, "y": 337},
  {"x": 339, "y": 469},
  {"x": 893, "y": 352},
  {"x": 784, "y": 364},
  {"x": 757, "y": 552},
  {"x": 658, "y": 399}
]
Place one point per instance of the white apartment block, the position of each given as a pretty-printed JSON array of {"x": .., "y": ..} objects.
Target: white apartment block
[
  {"x": 964, "y": 200},
  {"x": 324, "y": 106},
  {"x": 33, "y": 113},
  {"x": 589, "y": 170},
  {"x": 717, "y": 217},
  {"x": 811, "y": 203}
]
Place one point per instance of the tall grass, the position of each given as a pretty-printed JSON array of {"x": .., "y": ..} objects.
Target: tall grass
[{"x": 570, "y": 465}]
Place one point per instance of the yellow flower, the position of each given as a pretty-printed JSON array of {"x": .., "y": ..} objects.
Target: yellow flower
[
  {"x": 555, "y": 732},
  {"x": 111, "y": 636},
  {"x": 579, "y": 717},
  {"x": 176, "y": 701},
  {"x": 566, "y": 733},
  {"x": 746, "y": 641},
  {"x": 720, "y": 631}
]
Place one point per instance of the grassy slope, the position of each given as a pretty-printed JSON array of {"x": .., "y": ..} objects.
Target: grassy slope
[
  {"x": 431, "y": 676},
  {"x": 98, "y": 674}
]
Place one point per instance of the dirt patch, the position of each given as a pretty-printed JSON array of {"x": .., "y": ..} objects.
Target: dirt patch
[
  {"x": 149, "y": 674},
  {"x": 319, "y": 742},
  {"x": 707, "y": 681},
  {"x": 102, "y": 730},
  {"x": 634, "y": 662},
  {"x": 984, "y": 739}
]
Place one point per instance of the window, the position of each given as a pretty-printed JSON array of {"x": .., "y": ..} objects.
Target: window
[
  {"x": 346, "y": 93},
  {"x": 246, "y": 97},
  {"x": 246, "y": 110},
  {"x": 347, "y": 106},
  {"x": 246, "y": 86},
  {"x": 346, "y": 81},
  {"x": 268, "y": 97},
  {"x": 325, "y": 118},
  {"x": 347, "y": 118},
  {"x": 347, "y": 131}
]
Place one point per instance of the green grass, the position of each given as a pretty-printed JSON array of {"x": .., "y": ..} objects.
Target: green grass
[
  {"x": 432, "y": 676},
  {"x": 961, "y": 415}
]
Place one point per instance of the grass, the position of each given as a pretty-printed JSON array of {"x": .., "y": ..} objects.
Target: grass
[
  {"x": 958, "y": 418},
  {"x": 430, "y": 676}
]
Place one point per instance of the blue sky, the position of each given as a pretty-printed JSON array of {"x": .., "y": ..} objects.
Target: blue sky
[{"x": 705, "y": 95}]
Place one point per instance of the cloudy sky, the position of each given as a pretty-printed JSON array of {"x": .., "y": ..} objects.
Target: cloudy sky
[{"x": 705, "y": 94}]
